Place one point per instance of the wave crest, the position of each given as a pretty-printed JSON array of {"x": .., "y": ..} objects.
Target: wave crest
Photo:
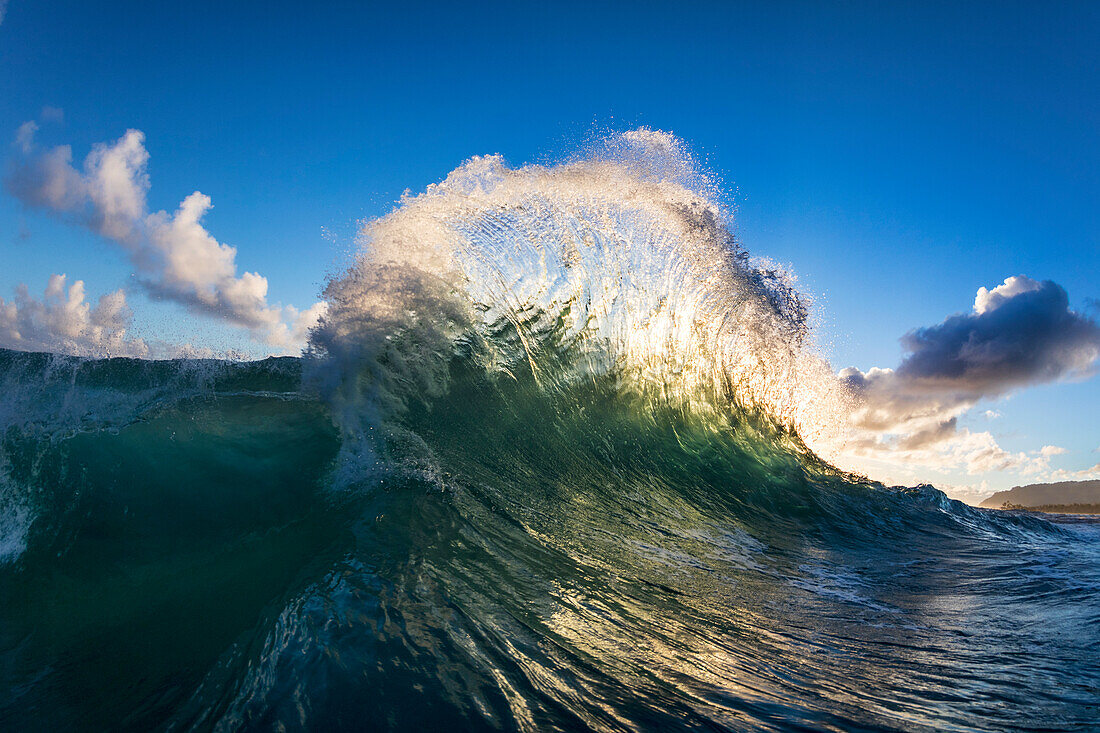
[{"x": 622, "y": 261}]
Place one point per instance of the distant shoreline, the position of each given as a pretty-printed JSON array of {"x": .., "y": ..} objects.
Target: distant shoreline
[
  {"x": 1063, "y": 497},
  {"x": 1053, "y": 508}
]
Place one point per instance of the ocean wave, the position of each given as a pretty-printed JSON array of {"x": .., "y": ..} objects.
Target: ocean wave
[{"x": 557, "y": 458}]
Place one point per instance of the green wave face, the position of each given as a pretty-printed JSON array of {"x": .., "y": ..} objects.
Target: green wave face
[{"x": 507, "y": 554}]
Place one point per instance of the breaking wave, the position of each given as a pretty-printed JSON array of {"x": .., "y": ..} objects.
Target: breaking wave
[{"x": 556, "y": 458}]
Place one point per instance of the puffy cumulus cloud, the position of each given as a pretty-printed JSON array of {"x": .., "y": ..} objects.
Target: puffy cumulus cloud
[
  {"x": 176, "y": 258},
  {"x": 972, "y": 494},
  {"x": 1022, "y": 332},
  {"x": 52, "y": 114},
  {"x": 24, "y": 135},
  {"x": 986, "y": 300},
  {"x": 1091, "y": 473},
  {"x": 1039, "y": 460},
  {"x": 891, "y": 452},
  {"x": 1019, "y": 333},
  {"x": 109, "y": 196},
  {"x": 64, "y": 321},
  {"x": 116, "y": 183},
  {"x": 51, "y": 182}
]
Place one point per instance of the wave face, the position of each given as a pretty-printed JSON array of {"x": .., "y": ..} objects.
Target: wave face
[{"x": 551, "y": 462}]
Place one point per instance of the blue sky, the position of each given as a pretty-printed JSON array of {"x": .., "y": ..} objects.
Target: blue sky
[{"x": 897, "y": 156}]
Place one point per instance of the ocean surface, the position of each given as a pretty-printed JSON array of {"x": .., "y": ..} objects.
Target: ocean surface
[{"x": 552, "y": 461}]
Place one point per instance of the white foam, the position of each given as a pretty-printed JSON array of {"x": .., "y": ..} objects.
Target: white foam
[
  {"x": 15, "y": 521},
  {"x": 628, "y": 247}
]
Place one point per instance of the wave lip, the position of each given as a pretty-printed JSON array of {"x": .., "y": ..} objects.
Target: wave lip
[{"x": 622, "y": 261}]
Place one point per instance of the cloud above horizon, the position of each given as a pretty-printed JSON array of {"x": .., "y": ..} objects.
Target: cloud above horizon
[
  {"x": 1018, "y": 334},
  {"x": 63, "y": 320},
  {"x": 175, "y": 257}
]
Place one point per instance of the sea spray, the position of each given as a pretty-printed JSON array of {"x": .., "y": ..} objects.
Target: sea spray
[{"x": 620, "y": 262}]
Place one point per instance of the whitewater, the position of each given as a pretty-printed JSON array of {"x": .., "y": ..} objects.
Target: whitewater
[{"x": 559, "y": 456}]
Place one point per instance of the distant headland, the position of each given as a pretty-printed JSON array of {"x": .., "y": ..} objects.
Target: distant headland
[{"x": 1070, "y": 497}]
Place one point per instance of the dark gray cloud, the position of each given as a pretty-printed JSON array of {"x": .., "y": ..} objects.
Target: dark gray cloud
[
  {"x": 1026, "y": 337},
  {"x": 1018, "y": 334}
]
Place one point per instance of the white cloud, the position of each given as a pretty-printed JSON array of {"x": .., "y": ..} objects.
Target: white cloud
[
  {"x": 1085, "y": 474},
  {"x": 987, "y": 300},
  {"x": 116, "y": 182},
  {"x": 175, "y": 256},
  {"x": 1020, "y": 333},
  {"x": 52, "y": 114},
  {"x": 63, "y": 321},
  {"x": 972, "y": 494},
  {"x": 24, "y": 136},
  {"x": 1040, "y": 460}
]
